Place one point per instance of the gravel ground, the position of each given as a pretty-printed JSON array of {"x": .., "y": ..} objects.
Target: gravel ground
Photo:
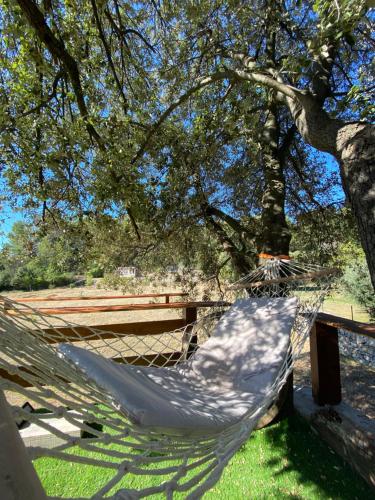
[{"x": 357, "y": 380}]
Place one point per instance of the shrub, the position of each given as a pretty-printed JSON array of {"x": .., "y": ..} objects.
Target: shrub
[
  {"x": 5, "y": 280},
  {"x": 61, "y": 279},
  {"x": 32, "y": 277},
  {"x": 26, "y": 279},
  {"x": 95, "y": 271},
  {"x": 89, "y": 279},
  {"x": 115, "y": 282},
  {"x": 356, "y": 280}
]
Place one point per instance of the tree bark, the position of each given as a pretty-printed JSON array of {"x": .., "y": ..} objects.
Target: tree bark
[
  {"x": 356, "y": 157},
  {"x": 275, "y": 236},
  {"x": 353, "y": 146},
  {"x": 239, "y": 261}
]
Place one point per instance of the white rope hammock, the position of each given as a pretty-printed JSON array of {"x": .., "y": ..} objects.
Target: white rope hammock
[{"x": 177, "y": 426}]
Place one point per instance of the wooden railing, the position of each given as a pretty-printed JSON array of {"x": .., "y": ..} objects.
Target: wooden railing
[
  {"x": 76, "y": 334},
  {"x": 62, "y": 311},
  {"x": 54, "y": 298},
  {"x": 325, "y": 357}
]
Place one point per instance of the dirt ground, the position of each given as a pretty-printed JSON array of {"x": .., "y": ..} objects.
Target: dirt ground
[
  {"x": 358, "y": 381},
  {"x": 107, "y": 318}
]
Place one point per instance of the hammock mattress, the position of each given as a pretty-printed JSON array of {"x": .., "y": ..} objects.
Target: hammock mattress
[{"x": 229, "y": 376}]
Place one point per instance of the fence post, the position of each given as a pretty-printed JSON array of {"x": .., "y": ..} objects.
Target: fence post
[
  {"x": 325, "y": 364},
  {"x": 191, "y": 317}
]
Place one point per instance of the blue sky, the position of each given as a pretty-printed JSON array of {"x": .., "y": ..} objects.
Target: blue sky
[{"x": 7, "y": 218}]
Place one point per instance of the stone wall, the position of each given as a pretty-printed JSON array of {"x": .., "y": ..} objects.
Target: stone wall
[{"x": 358, "y": 347}]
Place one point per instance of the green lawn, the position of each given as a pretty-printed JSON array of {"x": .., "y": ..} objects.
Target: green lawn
[
  {"x": 284, "y": 461},
  {"x": 343, "y": 306}
]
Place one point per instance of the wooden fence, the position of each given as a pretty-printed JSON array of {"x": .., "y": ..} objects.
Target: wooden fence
[
  {"x": 189, "y": 309},
  {"x": 54, "y": 298}
]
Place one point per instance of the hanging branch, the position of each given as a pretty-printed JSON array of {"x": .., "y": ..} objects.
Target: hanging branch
[
  {"x": 43, "y": 103},
  {"x": 204, "y": 82},
  {"x": 57, "y": 49},
  {"x": 109, "y": 55},
  {"x": 122, "y": 32}
]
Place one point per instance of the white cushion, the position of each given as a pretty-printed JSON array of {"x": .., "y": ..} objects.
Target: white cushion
[{"x": 228, "y": 376}]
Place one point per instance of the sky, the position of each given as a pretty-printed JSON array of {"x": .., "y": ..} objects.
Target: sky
[{"x": 7, "y": 218}]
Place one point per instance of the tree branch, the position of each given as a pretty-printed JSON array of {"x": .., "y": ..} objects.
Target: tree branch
[
  {"x": 109, "y": 55},
  {"x": 220, "y": 75},
  {"x": 253, "y": 73},
  {"x": 57, "y": 49},
  {"x": 49, "y": 98},
  {"x": 321, "y": 70},
  {"x": 287, "y": 141},
  {"x": 231, "y": 221},
  {"x": 133, "y": 222},
  {"x": 122, "y": 32}
]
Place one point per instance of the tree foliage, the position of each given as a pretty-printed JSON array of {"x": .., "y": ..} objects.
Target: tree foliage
[
  {"x": 159, "y": 118},
  {"x": 357, "y": 282},
  {"x": 30, "y": 260}
]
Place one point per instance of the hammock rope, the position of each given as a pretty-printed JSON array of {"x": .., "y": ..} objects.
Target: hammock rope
[{"x": 168, "y": 462}]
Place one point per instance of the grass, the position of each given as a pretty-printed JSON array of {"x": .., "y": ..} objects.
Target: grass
[
  {"x": 284, "y": 461},
  {"x": 340, "y": 305}
]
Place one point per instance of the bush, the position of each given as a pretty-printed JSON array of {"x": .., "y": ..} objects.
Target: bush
[
  {"x": 357, "y": 282},
  {"x": 26, "y": 279},
  {"x": 89, "y": 279},
  {"x": 95, "y": 271},
  {"x": 59, "y": 279},
  {"x": 5, "y": 280},
  {"x": 141, "y": 284},
  {"x": 116, "y": 282},
  {"x": 32, "y": 277}
]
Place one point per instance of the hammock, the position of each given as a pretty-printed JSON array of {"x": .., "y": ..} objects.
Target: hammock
[{"x": 175, "y": 427}]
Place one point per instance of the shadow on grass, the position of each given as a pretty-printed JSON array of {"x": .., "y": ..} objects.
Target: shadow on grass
[{"x": 307, "y": 456}]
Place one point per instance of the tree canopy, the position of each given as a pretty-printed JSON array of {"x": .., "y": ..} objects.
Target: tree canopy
[{"x": 189, "y": 114}]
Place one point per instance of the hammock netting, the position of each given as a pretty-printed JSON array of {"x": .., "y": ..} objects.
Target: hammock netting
[{"x": 139, "y": 460}]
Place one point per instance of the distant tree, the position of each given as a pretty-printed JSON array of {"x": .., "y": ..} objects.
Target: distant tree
[
  {"x": 32, "y": 260},
  {"x": 356, "y": 280},
  {"x": 327, "y": 236}
]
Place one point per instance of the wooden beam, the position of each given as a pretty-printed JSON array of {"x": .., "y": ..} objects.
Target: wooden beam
[
  {"x": 162, "y": 359},
  {"x": 325, "y": 364},
  {"x": 191, "y": 317},
  {"x": 54, "y": 298},
  {"x": 13, "y": 377},
  {"x": 123, "y": 307},
  {"x": 347, "y": 431},
  {"x": 287, "y": 279},
  {"x": 282, "y": 408},
  {"x": 80, "y": 333},
  {"x": 367, "y": 329}
]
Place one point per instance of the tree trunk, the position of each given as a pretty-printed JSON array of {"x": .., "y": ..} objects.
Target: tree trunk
[
  {"x": 239, "y": 261},
  {"x": 356, "y": 156},
  {"x": 353, "y": 146},
  {"x": 275, "y": 236}
]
